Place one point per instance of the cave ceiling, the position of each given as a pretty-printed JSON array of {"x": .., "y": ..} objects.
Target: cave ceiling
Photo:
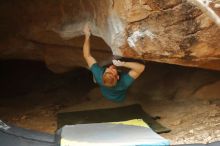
[{"x": 182, "y": 32}]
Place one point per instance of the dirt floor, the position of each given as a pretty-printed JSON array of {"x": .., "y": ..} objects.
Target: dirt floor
[{"x": 191, "y": 121}]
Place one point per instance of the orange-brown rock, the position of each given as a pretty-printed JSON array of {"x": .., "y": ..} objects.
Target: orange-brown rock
[{"x": 171, "y": 31}]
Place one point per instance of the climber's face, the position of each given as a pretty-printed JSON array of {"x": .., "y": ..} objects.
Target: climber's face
[
  {"x": 110, "y": 76},
  {"x": 112, "y": 69}
]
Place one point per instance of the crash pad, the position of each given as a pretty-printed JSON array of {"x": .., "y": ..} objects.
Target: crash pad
[
  {"x": 124, "y": 133},
  {"x": 123, "y": 113}
]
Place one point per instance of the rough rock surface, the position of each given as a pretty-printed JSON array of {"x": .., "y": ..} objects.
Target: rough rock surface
[{"x": 175, "y": 31}]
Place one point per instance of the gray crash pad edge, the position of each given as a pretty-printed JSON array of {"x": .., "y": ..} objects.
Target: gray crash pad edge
[{"x": 8, "y": 129}]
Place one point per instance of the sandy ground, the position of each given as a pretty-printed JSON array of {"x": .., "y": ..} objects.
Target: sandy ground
[{"x": 191, "y": 121}]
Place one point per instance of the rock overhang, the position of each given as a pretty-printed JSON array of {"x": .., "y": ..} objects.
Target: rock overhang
[{"x": 175, "y": 31}]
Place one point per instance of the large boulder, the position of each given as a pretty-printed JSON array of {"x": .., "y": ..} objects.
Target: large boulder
[{"x": 171, "y": 31}]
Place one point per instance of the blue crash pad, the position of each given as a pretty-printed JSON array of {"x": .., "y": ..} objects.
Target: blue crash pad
[{"x": 110, "y": 134}]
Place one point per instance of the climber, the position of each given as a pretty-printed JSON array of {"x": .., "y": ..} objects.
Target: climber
[{"x": 113, "y": 84}]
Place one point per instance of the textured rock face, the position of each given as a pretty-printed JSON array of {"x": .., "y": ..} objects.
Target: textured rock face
[{"x": 175, "y": 31}]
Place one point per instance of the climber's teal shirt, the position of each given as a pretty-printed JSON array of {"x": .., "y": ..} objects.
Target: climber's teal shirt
[{"x": 116, "y": 93}]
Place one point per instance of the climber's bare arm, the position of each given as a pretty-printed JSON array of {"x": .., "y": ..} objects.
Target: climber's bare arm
[
  {"x": 136, "y": 68},
  {"x": 86, "y": 47}
]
